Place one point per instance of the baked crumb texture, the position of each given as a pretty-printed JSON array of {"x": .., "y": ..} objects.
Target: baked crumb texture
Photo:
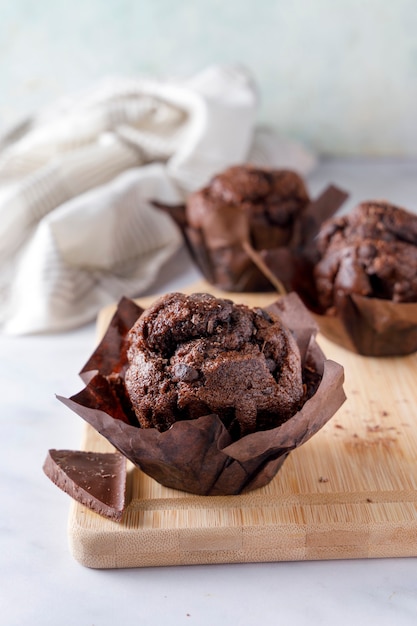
[
  {"x": 195, "y": 355},
  {"x": 243, "y": 204},
  {"x": 370, "y": 252}
]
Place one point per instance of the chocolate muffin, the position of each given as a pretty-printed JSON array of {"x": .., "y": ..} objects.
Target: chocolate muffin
[
  {"x": 243, "y": 203},
  {"x": 186, "y": 354},
  {"x": 195, "y": 355},
  {"x": 370, "y": 252}
]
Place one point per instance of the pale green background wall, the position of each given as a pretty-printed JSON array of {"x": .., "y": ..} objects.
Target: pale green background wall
[{"x": 340, "y": 75}]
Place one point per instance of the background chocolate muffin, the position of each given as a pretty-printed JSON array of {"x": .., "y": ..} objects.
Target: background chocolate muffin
[
  {"x": 194, "y": 355},
  {"x": 371, "y": 252},
  {"x": 360, "y": 280},
  {"x": 243, "y": 203}
]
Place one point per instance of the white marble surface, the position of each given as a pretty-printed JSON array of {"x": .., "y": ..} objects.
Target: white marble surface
[{"x": 41, "y": 584}]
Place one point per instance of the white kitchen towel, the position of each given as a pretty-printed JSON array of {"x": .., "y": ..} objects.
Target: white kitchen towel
[{"x": 77, "y": 227}]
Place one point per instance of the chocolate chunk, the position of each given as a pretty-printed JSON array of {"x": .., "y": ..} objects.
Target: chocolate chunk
[
  {"x": 184, "y": 372},
  {"x": 95, "y": 479}
]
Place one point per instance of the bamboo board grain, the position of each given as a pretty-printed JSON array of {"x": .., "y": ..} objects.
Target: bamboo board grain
[{"x": 350, "y": 492}]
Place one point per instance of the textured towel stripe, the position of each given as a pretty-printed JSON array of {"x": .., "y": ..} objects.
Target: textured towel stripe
[
  {"x": 94, "y": 166},
  {"x": 72, "y": 285},
  {"x": 63, "y": 282},
  {"x": 17, "y": 167},
  {"x": 140, "y": 229},
  {"x": 41, "y": 193},
  {"x": 56, "y": 183},
  {"x": 76, "y": 180},
  {"x": 18, "y": 161},
  {"x": 152, "y": 148},
  {"x": 128, "y": 111}
]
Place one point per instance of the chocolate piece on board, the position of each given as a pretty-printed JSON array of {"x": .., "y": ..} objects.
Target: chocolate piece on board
[{"x": 95, "y": 479}]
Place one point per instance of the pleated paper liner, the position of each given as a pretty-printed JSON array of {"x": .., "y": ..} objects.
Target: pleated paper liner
[
  {"x": 219, "y": 252},
  {"x": 199, "y": 456},
  {"x": 372, "y": 326}
]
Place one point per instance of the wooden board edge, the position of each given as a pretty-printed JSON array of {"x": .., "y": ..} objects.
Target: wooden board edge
[{"x": 115, "y": 550}]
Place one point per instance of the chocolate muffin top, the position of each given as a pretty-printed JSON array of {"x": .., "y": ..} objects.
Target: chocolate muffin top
[
  {"x": 273, "y": 196},
  {"x": 194, "y": 355},
  {"x": 371, "y": 252}
]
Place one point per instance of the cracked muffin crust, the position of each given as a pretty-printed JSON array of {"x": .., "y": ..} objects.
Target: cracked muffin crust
[
  {"x": 370, "y": 252},
  {"x": 264, "y": 199},
  {"x": 194, "y": 355},
  {"x": 244, "y": 206}
]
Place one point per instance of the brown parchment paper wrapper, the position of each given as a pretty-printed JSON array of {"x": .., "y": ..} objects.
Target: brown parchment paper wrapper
[
  {"x": 199, "y": 456},
  {"x": 372, "y": 326},
  {"x": 218, "y": 253},
  {"x": 367, "y": 326}
]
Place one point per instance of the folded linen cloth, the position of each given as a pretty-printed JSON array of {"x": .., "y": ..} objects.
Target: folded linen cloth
[{"x": 77, "y": 228}]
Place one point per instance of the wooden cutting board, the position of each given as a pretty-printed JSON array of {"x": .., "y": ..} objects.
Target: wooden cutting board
[{"x": 350, "y": 492}]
